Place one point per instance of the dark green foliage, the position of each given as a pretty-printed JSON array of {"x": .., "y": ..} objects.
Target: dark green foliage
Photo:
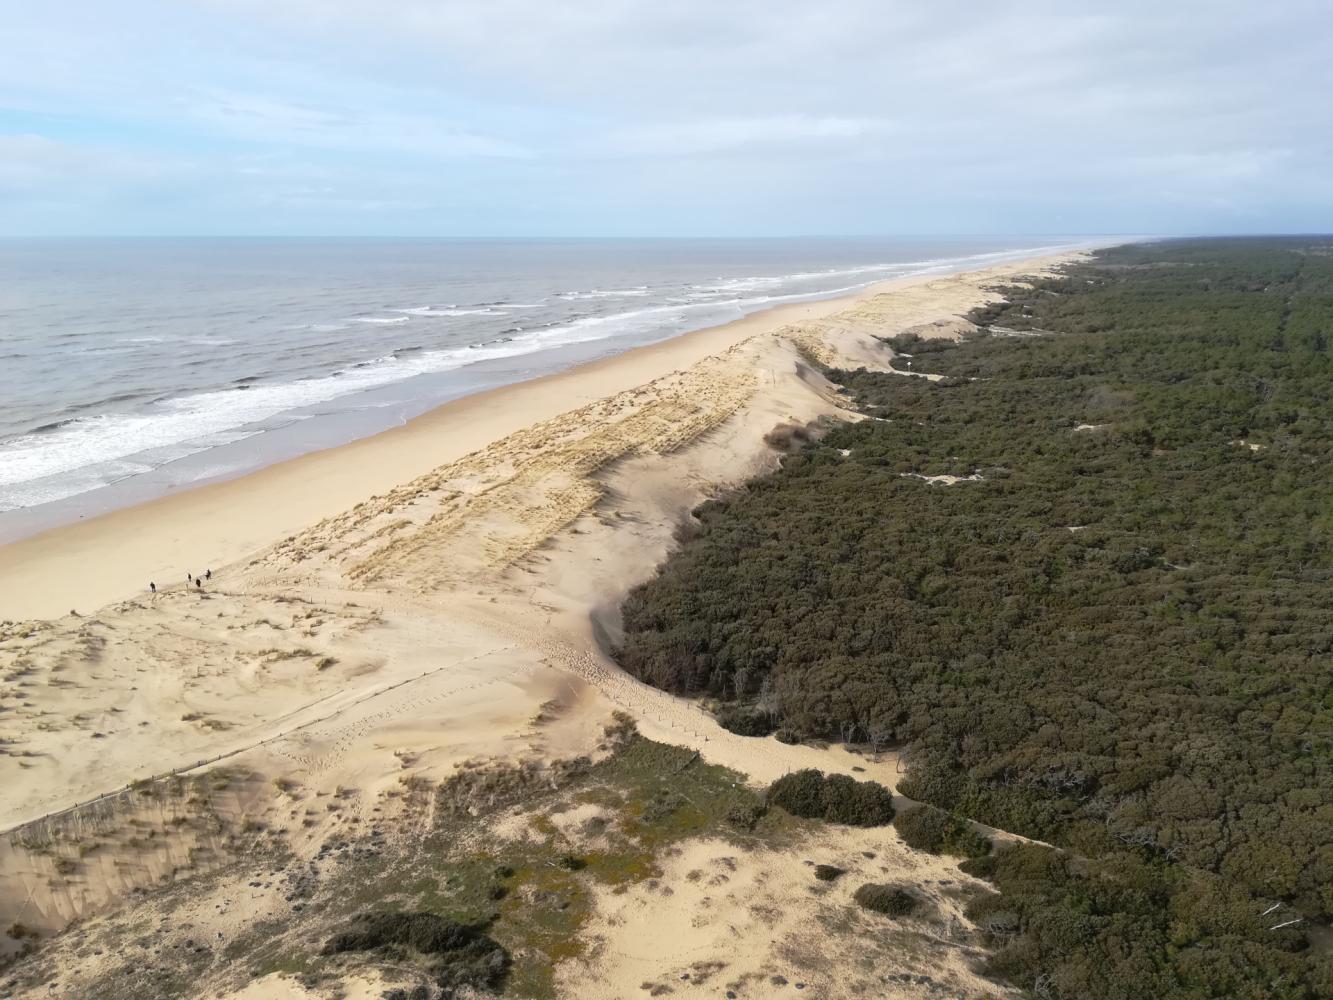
[
  {"x": 461, "y": 955},
  {"x": 800, "y": 793},
  {"x": 829, "y": 873},
  {"x": 890, "y": 900},
  {"x": 1102, "y": 927},
  {"x": 745, "y": 721},
  {"x": 423, "y": 932},
  {"x": 835, "y": 798},
  {"x": 1117, "y": 639},
  {"x": 929, "y": 829},
  {"x": 856, "y": 803}
]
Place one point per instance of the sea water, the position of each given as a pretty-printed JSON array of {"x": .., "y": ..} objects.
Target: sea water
[{"x": 130, "y": 367}]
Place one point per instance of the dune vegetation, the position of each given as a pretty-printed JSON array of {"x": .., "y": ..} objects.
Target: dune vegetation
[{"x": 1111, "y": 633}]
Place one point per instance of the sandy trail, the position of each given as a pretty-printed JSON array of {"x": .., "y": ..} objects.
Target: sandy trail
[{"x": 425, "y": 620}]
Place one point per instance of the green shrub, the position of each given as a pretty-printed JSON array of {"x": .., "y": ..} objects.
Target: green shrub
[
  {"x": 800, "y": 793},
  {"x": 856, "y": 803},
  {"x": 925, "y": 828},
  {"x": 835, "y": 798},
  {"x": 981, "y": 867},
  {"x": 890, "y": 900},
  {"x": 460, "y": 955},
  {"x": 929, "y": 829},
  {"x": 746, "y": 815},
  {"x": 745, "y": 721}
]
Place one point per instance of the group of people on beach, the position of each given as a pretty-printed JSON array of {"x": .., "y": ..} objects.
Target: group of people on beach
[{"x": 190, "y": 580}]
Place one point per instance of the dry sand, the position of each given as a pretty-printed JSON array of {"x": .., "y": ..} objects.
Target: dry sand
[{"x": 382, "y": 611}]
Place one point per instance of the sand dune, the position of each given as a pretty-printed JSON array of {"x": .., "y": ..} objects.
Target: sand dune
[{"x": 459, "y": 590}]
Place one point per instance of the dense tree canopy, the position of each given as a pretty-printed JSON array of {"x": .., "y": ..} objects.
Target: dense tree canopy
[{"x": 1118, "y": 636}]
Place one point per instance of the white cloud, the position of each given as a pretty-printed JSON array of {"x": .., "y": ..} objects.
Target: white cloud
[
  {"x": 708, "y": 135},
  {"x": 34, "y": 163},
  {"x": 1211, "y": 167},
  {"x": 260, "y": 118},
  {"x": 588, "y": 114}
]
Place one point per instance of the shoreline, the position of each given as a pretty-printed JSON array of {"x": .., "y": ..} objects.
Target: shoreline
[
  {"x": 431, "y": 600},
  {"x": 266, "y": 436},
  {"x": 82, "y": 565}
]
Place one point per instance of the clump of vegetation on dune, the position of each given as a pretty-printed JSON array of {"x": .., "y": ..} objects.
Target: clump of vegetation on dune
[
  {"x": 834, "y": 798},
  {"x": 460, "y": 955},
  {"x": 1116, "y": 639},
  {"x": 929, "y": 829},
  {"x": 892, "y": 901},
  {"x": 745, "y": 721}
]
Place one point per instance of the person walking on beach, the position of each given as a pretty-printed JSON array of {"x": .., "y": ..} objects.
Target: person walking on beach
[
  {"x": 152, "y": 586},
  {"x": 208, "y": 574}
]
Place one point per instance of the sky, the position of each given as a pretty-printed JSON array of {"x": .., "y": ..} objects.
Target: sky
[{"x": 665, "y": 118}]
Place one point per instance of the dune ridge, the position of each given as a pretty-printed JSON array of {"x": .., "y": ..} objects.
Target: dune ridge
[{"x": 461, "y": 613}]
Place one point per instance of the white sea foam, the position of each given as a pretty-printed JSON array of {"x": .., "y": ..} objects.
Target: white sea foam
[
  {"x": 80, "y": 454},
  {"x": 605, "y": 293},
  {"x": 722, "y": 286},
  {"x": 450, "y": 311},
  {"x": 206, "y": 341}
]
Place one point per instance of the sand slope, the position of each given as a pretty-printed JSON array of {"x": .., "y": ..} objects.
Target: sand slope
[{"x": 425, "y": 624}]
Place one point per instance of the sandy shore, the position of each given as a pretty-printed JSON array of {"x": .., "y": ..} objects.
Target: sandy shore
[
  {"x": 82, "y": 566},
  {"x": 385, "y": 610}
]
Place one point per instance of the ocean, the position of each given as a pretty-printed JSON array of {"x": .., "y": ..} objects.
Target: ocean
[{"x": 132, "y": 367}]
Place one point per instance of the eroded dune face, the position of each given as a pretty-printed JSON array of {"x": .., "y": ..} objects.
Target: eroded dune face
[{"x": 311, "y": 693}]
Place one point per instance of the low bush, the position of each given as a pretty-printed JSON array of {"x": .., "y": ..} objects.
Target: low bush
[
  {"x": 462, "y": 955},
  {"x": 799, "y": 793},
  {"x": 834, "y": 798},
  {"x": 745, "y": 721},
  {"x": 856, "y": 803},
  {"x": 890, "y": 900},
  {"x": 929, "y": 829},
  {"x": 787, "y": 437},
  {"x": 746, "y": 815},
  {"x": 829, "y": 873}
]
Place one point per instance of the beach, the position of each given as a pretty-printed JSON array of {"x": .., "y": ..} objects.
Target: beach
[
  {"x": 386, "y": 610},
  {"x": 139, "y": 368},
  {"x": 83, "y": 565}
]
